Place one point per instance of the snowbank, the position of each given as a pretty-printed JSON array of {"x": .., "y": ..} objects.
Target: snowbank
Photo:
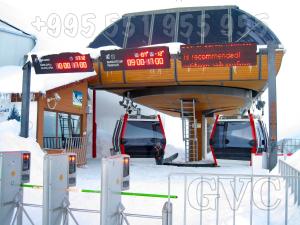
[
  {"x": 294, "y": 160},
  {"x": 10, "y": 141}
]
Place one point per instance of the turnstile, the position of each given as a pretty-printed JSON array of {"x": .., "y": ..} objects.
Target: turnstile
[{"x": 14, "y": 171}]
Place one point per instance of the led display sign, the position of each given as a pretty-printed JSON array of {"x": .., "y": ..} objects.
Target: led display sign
[
  {"x": 62, "y": 63},
  {"x": 218, "y": 55},
  {"x": 136, "y": 59}
]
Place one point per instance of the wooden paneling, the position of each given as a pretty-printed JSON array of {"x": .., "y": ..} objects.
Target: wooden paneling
[
  {"x": 151, "y": 76},
  {"x": 202, "y": 74},
  {"x": 64, "y": 105},
  {"x": 244, "y": 76},
  {"x": 111, "y": 77}
]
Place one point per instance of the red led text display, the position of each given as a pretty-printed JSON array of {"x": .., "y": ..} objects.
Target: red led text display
[
  {"x": 218, "y": 55},
  {"x": 136, "y": 59},
  {"x": 62, "y": 63}
]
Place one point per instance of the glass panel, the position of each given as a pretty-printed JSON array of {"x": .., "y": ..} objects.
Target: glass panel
[
  {"x": 190, "y": 27},
  {"x": 216, "y": 26},
  {"x": 241, "y": 26},
  {"x": 100, "y": 41},
  {"x": 259, "y": 136},
  {"x": 139, "y": 31},
  {"x": 238, "y": 134},
  {"x": 164, "y": 28},
  {"x": 218, "y": 139},
  {"x": 63, "y": 125},
  {"x": 49, "y": 124},
  {"x": 117, "y": 31},
  {"x": 76, "y": 125},
  {"x": 143, "y": 130}
]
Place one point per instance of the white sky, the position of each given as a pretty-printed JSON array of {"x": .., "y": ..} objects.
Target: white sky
[{"x": 282, "y": 19}]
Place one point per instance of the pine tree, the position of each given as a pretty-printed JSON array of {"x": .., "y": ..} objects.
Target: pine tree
[{"x": 14, "y": 114}]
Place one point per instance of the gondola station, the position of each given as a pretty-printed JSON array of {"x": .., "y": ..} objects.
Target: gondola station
[
  {"x": 197, "y": 77},
  {"x": 192, "y": 74},
  {"x": 183, "y": 62}
]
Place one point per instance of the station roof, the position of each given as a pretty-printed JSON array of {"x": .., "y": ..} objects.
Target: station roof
[
  {"x": 14, "y": 38},
  {"x": 193, "y": 25},
  {"x": 225, "y": 89}
]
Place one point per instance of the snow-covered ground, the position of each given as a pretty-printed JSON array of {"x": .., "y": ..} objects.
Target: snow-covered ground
[{"x": 146, "y": 177}]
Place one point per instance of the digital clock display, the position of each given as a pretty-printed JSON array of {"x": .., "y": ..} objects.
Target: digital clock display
[
  {"x": 62, "y": 63},
  {"x": 136, "y": 59},
  {"x": 218, "y": 55}
]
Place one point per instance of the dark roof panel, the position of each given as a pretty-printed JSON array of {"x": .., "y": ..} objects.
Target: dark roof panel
[{"x": 187, "y": 25}]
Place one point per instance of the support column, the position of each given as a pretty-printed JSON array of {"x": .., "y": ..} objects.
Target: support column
[
  {"x": 204, "y": 136},
  {"x": 94, "y": 148},
  {"x": 199, "y": 134},
  {"x": 25, "y": 100},
  {"x": 272, "y": 148}
]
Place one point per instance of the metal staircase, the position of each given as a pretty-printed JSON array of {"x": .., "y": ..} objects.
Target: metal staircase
[{"x": 189, "y": 129}]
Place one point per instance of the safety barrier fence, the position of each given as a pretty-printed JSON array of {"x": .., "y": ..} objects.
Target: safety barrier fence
[
  {"x": 233, "y": 198},
  {"x": 163, "y": 217},
  {"x": 288, "y": 145},
  {"x": 77, "y": 145},
  {"x": 286, "y": 169}
]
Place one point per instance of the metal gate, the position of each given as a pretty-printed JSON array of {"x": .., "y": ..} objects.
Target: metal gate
[{"x": 233, "y": 199}]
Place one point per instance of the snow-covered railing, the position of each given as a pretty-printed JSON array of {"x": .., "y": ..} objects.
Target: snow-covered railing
[
  {"x": 288, "y": 146},
  {"x": 286, "y": 169}
]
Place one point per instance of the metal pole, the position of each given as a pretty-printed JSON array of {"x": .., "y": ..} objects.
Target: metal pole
[
  {"x": 25, "y": 100},
  {"x": 94, "y": 153},
  {"x": 272, "y": 150},
  {"x": 204, "y": 136}
]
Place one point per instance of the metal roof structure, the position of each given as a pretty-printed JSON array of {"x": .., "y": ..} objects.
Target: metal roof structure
[
  {"x": 14, "y": 44},
  {"x": 192, "y": 25}
]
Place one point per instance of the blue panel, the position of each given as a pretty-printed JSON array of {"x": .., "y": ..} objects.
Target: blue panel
[
  {"x": 216, "y": 26},
  {"x": 242, "y": 23},
  {"x": 190, "y": 27},
  {"x": 164, "y": 28},
  {"x": 139, "y": 31},
  {"x": 116, "y": 32},
  {"x": 100, "y": 41}
]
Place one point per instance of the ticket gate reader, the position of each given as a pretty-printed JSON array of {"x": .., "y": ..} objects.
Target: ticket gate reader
[
  {"x": 59, "y": 175},
  {"x": 114, "y": 180},
  {"x": 14, "y": 171}
]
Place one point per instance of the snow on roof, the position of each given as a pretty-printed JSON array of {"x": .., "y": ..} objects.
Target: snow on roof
[
  {"x": 11, "y": 80},
  {"x": 174, "y": 48}
]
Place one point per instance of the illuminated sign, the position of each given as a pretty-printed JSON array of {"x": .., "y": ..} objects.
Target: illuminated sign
[
  {"x": 62, "y": 63},
  {"x": 136, "y": 59},
  {"x": 216, "y": 55}
]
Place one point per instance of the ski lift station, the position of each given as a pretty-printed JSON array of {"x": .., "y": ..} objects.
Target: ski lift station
[
  {"x": 206, "y": 66},
  {"x": 193, "y": 77},
  {"x": 193, "y": 63}
]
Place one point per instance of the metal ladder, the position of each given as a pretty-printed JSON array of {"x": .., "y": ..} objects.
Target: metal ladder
[{"x": 189, "y": 129}]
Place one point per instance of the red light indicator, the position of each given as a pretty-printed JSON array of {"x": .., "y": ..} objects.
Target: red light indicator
[
  {"x": 72, "y": 158},
  {"x": 26, "y": 156}
]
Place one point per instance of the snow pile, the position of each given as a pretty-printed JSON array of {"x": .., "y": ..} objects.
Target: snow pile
[
  {"x": 10, "y": 141},
  {"x": 294, "y": 160}
]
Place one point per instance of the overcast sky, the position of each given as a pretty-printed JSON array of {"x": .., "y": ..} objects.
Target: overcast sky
[{"x": 281, "y": 17}]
